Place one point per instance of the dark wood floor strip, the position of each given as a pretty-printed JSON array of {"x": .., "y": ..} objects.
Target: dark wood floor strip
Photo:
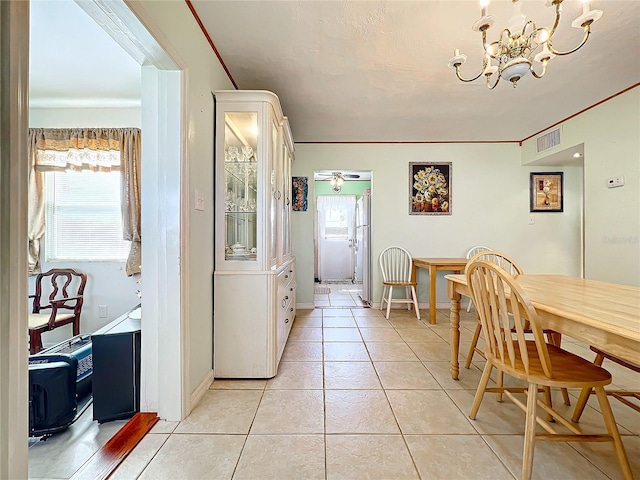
[{"x": 106, "y": 460}]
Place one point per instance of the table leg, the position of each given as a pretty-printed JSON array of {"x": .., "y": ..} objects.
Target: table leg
[
  {"x": 454, "y": 317},
  {"x": 432, "y": 293}
]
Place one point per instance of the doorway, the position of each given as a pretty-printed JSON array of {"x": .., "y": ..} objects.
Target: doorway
[
  {"x": 342, "y": 253},
  {"x": 163, "y": 195}
]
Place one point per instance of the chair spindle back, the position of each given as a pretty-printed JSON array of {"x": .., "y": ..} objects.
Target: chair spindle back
[
  {"x": 396, "y": 264},
  {"x": 505, "y": 309}
]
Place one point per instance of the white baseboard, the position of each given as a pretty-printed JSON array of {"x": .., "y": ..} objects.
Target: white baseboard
[
  {"x": 199, "y": 392},
  {"x": 425, "y": 306}
]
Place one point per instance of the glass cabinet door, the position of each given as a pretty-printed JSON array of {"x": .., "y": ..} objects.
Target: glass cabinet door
[
  {"x": 241, "y": 185},
  {"x": 275, "y": 196},
  {"x": 286, "y": 208}
]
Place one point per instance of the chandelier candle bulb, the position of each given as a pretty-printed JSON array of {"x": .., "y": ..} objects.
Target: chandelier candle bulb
[{"x": 484, "y": 5}]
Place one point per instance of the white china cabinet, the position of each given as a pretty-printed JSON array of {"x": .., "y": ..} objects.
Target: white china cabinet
[{"x": 254, "y": 276}]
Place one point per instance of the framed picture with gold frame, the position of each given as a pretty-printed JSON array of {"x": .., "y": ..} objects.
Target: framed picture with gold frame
[{"x": 546, "y": 189}]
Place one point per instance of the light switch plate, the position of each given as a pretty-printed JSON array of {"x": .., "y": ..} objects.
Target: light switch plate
[
  {"x": 615, "y": 181},
  {"x": 198, "y": 200}
]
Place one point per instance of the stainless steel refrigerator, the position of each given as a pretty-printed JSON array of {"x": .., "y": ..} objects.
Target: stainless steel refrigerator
[{"x": 362, "y": 246}]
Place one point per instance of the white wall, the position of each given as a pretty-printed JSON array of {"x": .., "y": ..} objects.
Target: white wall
[
  {"x": 84, "y": 117},
  {"x": 490, "y": 206},
  {"x": 203, "y": 74},
  {"x": 611, "y": 136},
  {"x": 107, "y": 282}
]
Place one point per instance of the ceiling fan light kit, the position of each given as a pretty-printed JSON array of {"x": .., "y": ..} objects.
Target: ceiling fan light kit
[
  {"x": 336, "y": 181},
  {"x": 522, "y": 45}
]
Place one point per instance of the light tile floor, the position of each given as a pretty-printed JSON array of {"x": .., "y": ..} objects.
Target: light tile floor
[
  {"x": 341, "y": 295},
  {"x": 357, "y": 396}
]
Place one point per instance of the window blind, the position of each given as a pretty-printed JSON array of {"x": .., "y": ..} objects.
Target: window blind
[{"x": 83, "y": 219}]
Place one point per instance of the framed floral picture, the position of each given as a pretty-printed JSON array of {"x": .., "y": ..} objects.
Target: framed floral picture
[
  {"x": 430, "y": 188},
  {"x": 300, "y": 190},
  {"x": 546, "y": 192}
]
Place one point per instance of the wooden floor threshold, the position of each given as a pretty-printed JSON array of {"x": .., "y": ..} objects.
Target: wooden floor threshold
[{"x": 104, "y": 462}]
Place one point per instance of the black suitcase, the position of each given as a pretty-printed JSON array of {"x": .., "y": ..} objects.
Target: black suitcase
[{"x": 52, "y": 396}]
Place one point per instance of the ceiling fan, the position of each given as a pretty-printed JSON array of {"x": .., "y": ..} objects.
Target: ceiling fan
[{"x": 338, "y": 178}]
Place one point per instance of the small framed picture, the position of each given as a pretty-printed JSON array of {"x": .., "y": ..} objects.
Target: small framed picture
[
  {"x": 299, "y": 191},
  {"x": 430, "y": 188},
  {"x": 546, "y": 192}
]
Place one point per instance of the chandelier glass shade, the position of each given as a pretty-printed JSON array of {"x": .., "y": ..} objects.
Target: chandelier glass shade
[
  {"x": 336, "y": 181},
  {"x": 522, "y": 46}
]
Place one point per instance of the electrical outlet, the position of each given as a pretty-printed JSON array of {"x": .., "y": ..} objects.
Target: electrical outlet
[
  {"x": 103, "y": 311},
  {"x": 532, "y": 220},
  {"x": 615, "y": 181}
]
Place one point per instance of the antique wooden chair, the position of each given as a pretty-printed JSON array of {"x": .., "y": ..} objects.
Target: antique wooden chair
[
  {"x": 65, "y": 304},
  {"x": 504, "y": 307},
  {"x": 396, "y": 265}
]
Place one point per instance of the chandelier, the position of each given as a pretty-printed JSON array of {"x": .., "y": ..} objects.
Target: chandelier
[
  {"x": 336, "y": 181},
  {"x": 513, "y": 55}
]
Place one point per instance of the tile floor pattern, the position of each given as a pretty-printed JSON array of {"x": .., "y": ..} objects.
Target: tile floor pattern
[
  {"x": 341, "y": 295},
  {"x": 357, "y": 396}
]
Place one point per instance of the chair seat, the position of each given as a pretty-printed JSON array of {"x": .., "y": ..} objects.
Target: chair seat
[
  {"x": 569, "y": 370},
  {"x": 39, "y": 320}
]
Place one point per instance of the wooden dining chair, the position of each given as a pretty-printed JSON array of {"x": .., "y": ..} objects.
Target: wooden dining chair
[
  {"x": 503, "y": 306},
  {"x": 620, "y": 395},
  {"x": 65, "y": 288},
  {"x": 507, "y": 264},
  {"x": 473, "y": 251},
  {"x": 396, "y": 265},
  {"x": 512, "y": 268}
]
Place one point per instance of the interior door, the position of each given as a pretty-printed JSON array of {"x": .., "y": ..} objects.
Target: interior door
[{"x": 336, "y": 229}]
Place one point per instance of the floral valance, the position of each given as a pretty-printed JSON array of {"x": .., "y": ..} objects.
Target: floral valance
[{"x": 77, "y": 148}]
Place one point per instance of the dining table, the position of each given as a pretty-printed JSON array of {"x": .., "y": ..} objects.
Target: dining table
[
  {"x": 603, "y": 315},
  {"x": 452, "y": 264}
]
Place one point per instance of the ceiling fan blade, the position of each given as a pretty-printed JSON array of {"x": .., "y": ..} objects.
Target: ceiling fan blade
[{"x": 351, "y": 175}]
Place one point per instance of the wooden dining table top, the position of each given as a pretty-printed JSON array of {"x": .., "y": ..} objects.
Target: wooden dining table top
[{"x": 585, "y": 305}]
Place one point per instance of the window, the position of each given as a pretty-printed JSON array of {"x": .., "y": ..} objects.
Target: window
[
  {"x": 336, "y": 226},
  {"x": 83, "y": 217}
]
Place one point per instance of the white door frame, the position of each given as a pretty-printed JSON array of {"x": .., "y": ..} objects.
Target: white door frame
[
  {"x": 14, "y": 79},
  {"x": 165, "y": 340}
]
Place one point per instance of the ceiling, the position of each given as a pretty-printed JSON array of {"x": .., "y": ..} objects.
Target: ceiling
[
  {"x": 74, "y": 63},
  {"x": 356, "y": 71}
]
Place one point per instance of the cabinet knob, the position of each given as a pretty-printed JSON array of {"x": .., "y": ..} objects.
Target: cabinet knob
[
  {"x": 286, "y": 321},
  {"x": 286, "y": 297},
  {"x": 291, "y": 289},
  {"x": 286, "y": 276},
  {"x": 291, "y": 309}
]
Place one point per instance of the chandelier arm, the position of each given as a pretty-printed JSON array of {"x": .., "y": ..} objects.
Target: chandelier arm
[
  {"x": 557, "y": 22},
  {"x": 491, "y": 87},
  {"x": 484, "y": 65},
  {"x": 541, "y": 74},
  {"x": 587, "y": 31},
  {"x": 469, "y": 79}
]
